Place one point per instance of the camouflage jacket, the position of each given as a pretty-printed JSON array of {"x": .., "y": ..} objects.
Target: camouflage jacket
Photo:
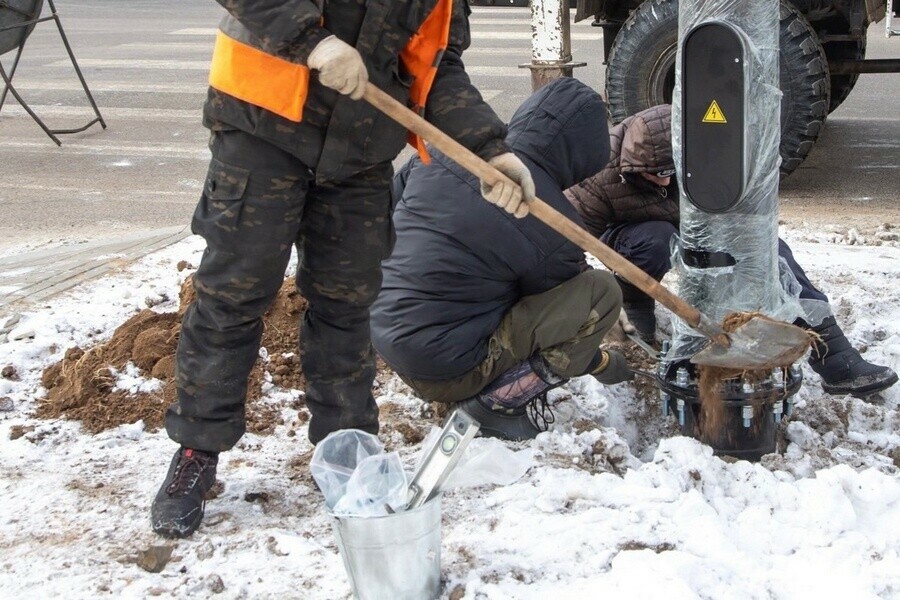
[
  {"x": 618, "y": 194},
  {"x": 339, "y": 137}
]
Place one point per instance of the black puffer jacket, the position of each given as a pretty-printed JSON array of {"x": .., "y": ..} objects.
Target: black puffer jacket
[
  {"x": 618, "y": 193},
  {"x": 460, "y": 263},
  {"x": 339, "y": 137}
]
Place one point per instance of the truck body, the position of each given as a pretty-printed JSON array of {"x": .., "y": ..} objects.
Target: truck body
[{"x": 823, "y": 48}]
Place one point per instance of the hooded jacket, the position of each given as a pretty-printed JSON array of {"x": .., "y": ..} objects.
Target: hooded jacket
[
  {"x": 618, "y": 194},
  {"x": 337, "y": 136},
  {"x": 459, "y": 262}
]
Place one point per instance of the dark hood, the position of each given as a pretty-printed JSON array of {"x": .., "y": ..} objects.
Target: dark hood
[
  {"x": 647, "y": 141},
  {"x": 562, "y": 129}
]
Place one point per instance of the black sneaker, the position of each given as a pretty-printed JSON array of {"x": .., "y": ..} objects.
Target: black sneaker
[
  {"x": 178, "y": 507},
  {"x": 509, "y": 425},
  {"x": 842, "y": 369}
]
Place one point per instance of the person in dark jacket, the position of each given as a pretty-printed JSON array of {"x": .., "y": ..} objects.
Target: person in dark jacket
[
  {"x": 632, "y": 206},
  {"x": 490, "y": 311},
  {"x": 299, "y": 161}
]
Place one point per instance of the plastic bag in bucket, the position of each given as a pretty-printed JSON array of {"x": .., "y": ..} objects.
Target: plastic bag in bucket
[
  {"x": 377, "y": 487},
  {"x": 337, "y": 456}
]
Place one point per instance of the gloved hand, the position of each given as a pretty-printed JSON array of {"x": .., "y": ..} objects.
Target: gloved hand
[
  {"x": 340, "y": 67},
  {"x": 613, "y": 368},
  {"x": 510, "y": 197}
]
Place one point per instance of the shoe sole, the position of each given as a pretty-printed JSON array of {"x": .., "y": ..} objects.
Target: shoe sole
[
  {"x": 173, "y": 530},
  {"x": 861, "y": 392}
]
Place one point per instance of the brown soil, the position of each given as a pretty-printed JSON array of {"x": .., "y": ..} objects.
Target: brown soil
[{"x": 80, "y": 386}]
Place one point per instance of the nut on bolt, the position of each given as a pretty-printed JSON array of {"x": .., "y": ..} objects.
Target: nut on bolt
[
  {"x": 778, "y": 377},
  {"x": 682, "y": 378}
]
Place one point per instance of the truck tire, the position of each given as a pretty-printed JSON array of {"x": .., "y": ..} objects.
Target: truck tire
[{"x": 641, "y": 73}]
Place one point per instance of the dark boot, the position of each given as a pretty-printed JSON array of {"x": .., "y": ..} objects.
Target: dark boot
[
  {"x": 178, "y": 507},
  {"x": 640, "y": 309},
  {"x": 842, "y": 369},
  {"x": 514, "y": 406}
]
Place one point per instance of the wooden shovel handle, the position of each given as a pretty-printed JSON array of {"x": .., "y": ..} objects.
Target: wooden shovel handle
[{"x": 546, "y": 213}]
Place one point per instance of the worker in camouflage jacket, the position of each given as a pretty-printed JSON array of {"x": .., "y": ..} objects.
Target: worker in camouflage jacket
[
  {"x": 489, "y": 312},
  {"x": 632, "y": 205},
  {"x": 298, "y": 160}
]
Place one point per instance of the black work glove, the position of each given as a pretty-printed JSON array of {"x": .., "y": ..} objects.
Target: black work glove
[{"x": 613, "y": 368}]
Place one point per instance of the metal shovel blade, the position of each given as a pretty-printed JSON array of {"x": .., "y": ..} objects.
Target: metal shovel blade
[{"x": 760, "y": 343}]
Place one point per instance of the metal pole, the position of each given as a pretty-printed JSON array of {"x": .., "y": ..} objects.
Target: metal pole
[
  {"x": 551, "y": 47},
  {"x": 727, "y": 259}
]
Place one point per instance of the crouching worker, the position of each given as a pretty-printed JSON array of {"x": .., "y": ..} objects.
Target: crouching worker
[
  {"x": 489, "y": 311},
  {"x": 632, "y": 206}
]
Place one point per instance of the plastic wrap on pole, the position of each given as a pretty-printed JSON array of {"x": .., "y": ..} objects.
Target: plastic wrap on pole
[{"x": 749, "y": 230}]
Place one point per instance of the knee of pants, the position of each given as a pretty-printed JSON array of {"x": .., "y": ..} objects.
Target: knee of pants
[
  {"x": 358, "y": 291},
  {"x": 231, "y": 304},
  {"x": 648, "y": 245},
  {"x": 606, "y": 298}
]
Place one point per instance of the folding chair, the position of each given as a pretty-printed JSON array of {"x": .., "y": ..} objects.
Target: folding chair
[{"x": 17, "y": 19}]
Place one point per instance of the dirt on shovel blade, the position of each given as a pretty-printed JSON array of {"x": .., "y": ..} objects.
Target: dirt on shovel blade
[
  {"x": 757, "y": 342},
  {"x": 712, "y": 377}
]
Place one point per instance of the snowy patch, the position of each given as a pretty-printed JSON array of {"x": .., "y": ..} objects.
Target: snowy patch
[
  {"x": 132, "y": 381},
  {"x": 607, "y": 504}
]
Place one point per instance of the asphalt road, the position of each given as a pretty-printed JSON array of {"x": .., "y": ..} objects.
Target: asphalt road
[{"x": 146, "y": 63}]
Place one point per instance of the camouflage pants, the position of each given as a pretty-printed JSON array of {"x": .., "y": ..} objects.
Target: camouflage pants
[
  {"x": 565, "y": 325},
  {"x": 258, "y": 202}
]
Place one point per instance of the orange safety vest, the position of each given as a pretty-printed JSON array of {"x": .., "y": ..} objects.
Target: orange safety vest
[{"x": 281, "y": 86}]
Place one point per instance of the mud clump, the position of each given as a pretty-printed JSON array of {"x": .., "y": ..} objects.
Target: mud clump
[{"x": 83, "y": 385}]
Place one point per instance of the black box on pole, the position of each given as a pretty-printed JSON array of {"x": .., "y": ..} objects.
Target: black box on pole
[{"x": 713, "y": 118}]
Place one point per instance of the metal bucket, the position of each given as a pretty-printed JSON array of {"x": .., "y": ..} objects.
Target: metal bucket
[{"x": 395, "y": 557}]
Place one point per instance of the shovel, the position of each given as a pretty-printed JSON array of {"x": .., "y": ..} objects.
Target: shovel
[{"x": 758, "y": 343}]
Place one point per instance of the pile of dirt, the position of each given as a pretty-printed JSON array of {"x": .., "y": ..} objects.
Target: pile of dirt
[{"x": 82, "y": 386}]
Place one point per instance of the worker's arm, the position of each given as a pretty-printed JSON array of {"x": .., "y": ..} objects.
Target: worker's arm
[
  {"x": 591, "y": 204},
  {"x": 454, "y": 105},
  {"x": 287, "y": 26}
]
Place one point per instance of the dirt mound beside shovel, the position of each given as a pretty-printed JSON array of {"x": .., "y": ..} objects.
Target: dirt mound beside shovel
[{"x": 82, "y": 386}]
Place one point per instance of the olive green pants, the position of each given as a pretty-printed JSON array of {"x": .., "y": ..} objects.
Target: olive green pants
[{"x": 564, "y": 325}]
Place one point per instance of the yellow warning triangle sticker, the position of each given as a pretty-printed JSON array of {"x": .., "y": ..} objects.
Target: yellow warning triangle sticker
[{"x": 714, "y": 114}]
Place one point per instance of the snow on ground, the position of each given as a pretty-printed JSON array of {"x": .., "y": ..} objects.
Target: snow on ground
[{"x": 604, "y": 512}]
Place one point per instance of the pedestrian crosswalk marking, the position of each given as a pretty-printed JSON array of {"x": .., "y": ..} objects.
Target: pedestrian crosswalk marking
[
  {"x": 477, "y": 34},
  {"x": 131, "y": 63},
  {"x": 199, "y": 87},
  {"x": 714, "y": 114}
]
